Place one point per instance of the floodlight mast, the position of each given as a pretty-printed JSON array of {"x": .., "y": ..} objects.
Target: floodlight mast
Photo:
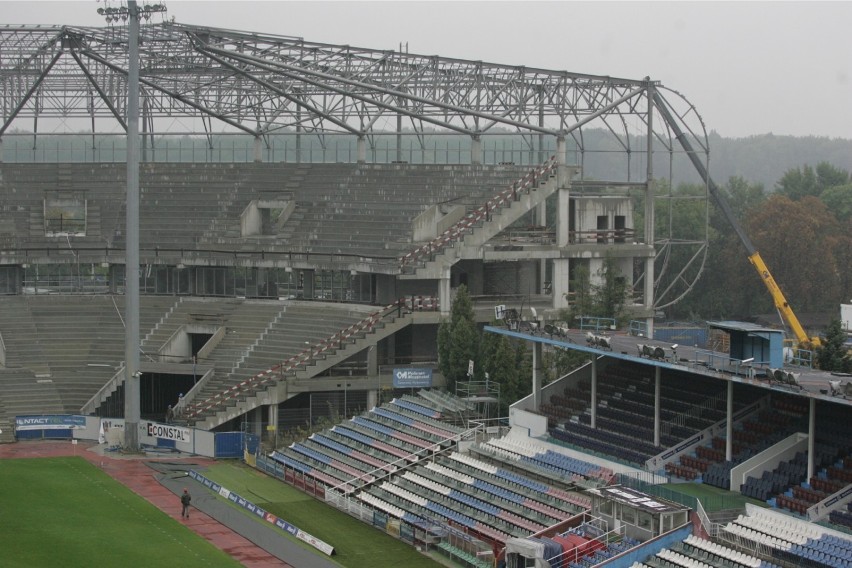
[{"x": 132, "y": 414}]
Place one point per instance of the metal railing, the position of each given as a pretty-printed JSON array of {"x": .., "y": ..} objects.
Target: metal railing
[
  {"x": 294, "y": 363},
  {"x": 483, "y": 213}
]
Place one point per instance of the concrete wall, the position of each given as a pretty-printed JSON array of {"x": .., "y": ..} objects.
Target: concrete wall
[
  {"x": 511, "y": 278},
  {"x": 588, "y": 210},
  {"x": 434, "y": 221}
]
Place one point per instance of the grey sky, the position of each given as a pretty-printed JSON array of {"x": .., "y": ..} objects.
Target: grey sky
[{"x": 749, "y": 67}]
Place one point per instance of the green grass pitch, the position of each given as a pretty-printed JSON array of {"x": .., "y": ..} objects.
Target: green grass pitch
[
  {"x": 356, "y": 544},
  {"x": 66, "y": 512}
]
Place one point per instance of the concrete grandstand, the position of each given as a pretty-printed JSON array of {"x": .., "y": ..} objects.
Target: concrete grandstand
[{"x": 277, "y": 293}]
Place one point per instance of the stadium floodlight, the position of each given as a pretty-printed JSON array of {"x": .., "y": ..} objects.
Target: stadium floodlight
[{"x": 131, "y": 13}]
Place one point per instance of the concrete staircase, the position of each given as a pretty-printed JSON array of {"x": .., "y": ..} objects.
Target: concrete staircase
[
  {"x": 270, "y": 386},
  {"x": 465, "y": 239}
]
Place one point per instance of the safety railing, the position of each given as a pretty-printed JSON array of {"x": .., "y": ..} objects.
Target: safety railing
[
  {"x": 471, "y": 219},
  {"x": 300, "y": 360}
]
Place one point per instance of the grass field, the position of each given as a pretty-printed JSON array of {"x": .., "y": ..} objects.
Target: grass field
[
  {"x": 356, "y": 544},
  {"x": 66, "y": 512}
]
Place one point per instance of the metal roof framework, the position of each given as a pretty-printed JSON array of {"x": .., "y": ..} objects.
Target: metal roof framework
[
  {"x": 260, "y": 84},
  {"x": 207, "y": 81}
]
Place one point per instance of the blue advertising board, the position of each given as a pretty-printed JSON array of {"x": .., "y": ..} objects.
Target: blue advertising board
[
  {"x": 49, "y": 422},
  {"x": 412, "y": 377}
]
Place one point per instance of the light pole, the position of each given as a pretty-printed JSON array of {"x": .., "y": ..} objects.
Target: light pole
[
  {"x": 345, "y": 396},
  {"x": 131, "y": 14}
]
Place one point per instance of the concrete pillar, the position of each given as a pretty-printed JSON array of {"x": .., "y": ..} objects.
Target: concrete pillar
[
  {"x": 132, "y": 404},
  {"x": 593, "y": 403},
  {"x": 273, "y": 421},
  {"x": 373, "y": 361},
  {"x": 256, "y": 422},
  {"x": 476, "y": 150},
  {"x": 542, "y": 275},
  {"x": 444, "y": 297},
  {"x": 541, "y": 214},
  {"x": 258, "y": 149},
  {"x": 657, "y": 374},
  {"x": 372, "y": 398},
  {"x": 561, "y": 149},
  {"x": 729, "y": 425},
  {"x": 561, "y": 282},
  {"x": 537, "y": 375},
  {"x": 563, "y": 220},
  {"x": 811, "y": 436},
  {"x": 361, "y": 150},
  {"x": 1, "y": 149}
]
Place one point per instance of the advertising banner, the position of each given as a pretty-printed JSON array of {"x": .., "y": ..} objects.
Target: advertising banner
[
  {"x": 50, "y": 422},
  {"x": 412, "y": 377},
  {"x": 263, "y": 514},
  {"x": 166, "y": 432}
]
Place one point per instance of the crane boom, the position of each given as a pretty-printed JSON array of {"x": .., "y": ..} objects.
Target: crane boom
[{"x": 754, "y": 257}]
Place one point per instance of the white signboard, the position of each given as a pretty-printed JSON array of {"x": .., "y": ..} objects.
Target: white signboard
[{"x": 166, "y": 432}]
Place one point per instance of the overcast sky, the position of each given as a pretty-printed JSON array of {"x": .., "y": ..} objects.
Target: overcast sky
[{"x": 749, "y": 67}]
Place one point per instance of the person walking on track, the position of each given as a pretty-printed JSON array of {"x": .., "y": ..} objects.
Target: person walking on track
[{"x": 184, "y": 501}]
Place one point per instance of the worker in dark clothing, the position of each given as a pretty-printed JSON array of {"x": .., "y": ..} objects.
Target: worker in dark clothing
[{"x": 184, "y": 501}]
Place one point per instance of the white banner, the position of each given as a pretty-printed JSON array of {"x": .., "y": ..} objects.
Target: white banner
[
  {"x": 168, "y": 432},
  {"x": 111, "y": 431}
]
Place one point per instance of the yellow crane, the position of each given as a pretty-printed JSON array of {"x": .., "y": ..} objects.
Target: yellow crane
[{"x": 781, "y": 304}]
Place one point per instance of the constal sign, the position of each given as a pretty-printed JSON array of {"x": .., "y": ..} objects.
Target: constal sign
[
  {"x": 168, "y": 432},
  {"x": 412, "y": 377}
]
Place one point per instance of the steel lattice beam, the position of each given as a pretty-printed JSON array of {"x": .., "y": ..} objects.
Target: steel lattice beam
[{"x": 261, "y": 84}]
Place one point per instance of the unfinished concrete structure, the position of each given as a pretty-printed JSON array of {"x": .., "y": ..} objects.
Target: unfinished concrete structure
[{"x": 375, "y": 244}]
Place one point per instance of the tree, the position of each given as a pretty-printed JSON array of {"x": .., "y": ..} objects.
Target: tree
[
  {"x": 830, "y": 176},
  {"x": 799, "y": 183},
  {"x": 458, "y": 340},
  {"x": 597, "y": 300},
  {"x": 838, "y": 199},
  {"x": 499, "y": 361},
  {"x": 833, "y": 355},
  {"x": 611, "y": 293},
  {"x": 795, "y": 239}
]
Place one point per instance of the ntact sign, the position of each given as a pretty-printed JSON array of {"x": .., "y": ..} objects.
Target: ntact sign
[{"x": 412, "y": 377}]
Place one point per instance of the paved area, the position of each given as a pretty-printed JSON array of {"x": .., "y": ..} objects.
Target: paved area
[{"x": 160, "y": 480}]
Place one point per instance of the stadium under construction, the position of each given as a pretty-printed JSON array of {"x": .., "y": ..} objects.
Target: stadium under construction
[{"x": 303, "y": 216}]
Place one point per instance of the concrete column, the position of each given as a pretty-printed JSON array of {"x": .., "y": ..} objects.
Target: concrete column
[
  {"x": 257, "y": 421},
  {"x": 372, "y": 399},
  {"x": 811, "y": 436},
  {"x": 561, "y": 149},
  {"x": 476, "y": 150},
  {"x": 537, "y": 375},
  {"x": 444, "y": 297},
  {"x": 657, "y": 406},
  {"x": 373, "y": 361},
  {"x": 593, "y": 403},
  {"x": 258, "y": 149},
  {"x": 541, "y": 214},
  {"x": 542, "y": 274},
  {"x": 563, "y": 220},
  {"x": 132, "y": 404},
  {"x": 561, "y": 282},
  {"x": 1, "y": 149},
  {"x": 729, "y": 425},
  {"x": 272, "y": 419},
  {"x": 361, "y": 150}
]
